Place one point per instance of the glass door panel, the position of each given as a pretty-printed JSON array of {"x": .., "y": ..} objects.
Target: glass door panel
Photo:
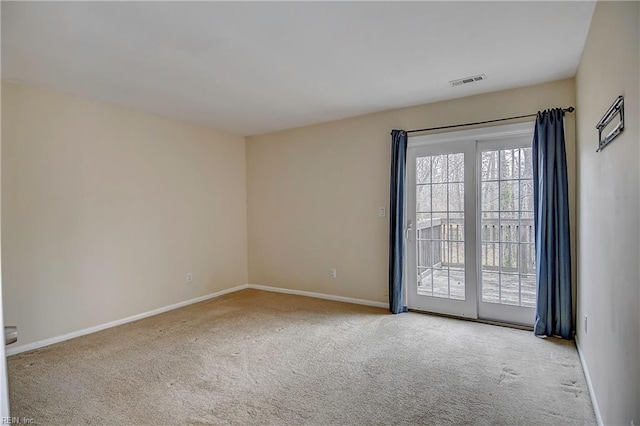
[
  {"x": 507, "y": 252},
  {"x": 437, "y": 200},
  {"x": 440, "y": 226}
]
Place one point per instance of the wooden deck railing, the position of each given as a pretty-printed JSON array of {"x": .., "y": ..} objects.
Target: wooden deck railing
[{"x": 440, "y": 243}]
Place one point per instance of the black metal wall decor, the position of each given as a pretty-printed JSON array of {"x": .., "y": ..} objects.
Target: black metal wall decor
[{"x": 616, "y": 110}]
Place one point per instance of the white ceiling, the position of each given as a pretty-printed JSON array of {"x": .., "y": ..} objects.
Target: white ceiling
[{"x": 250, "y": 68}]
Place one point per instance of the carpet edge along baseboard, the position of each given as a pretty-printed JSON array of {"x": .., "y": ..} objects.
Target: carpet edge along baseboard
[{"x": 14, "y": 350}]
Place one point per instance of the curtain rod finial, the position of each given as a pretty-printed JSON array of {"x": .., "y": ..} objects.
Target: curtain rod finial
[{"x": 571, "y": 109}]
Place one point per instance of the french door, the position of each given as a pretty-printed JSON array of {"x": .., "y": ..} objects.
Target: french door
[
  {"x": 440, "y": 233},
  {"x": 469, "y": 222}
]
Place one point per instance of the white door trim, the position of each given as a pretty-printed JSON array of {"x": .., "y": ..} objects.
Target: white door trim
[{"x": 484, "y": 133}]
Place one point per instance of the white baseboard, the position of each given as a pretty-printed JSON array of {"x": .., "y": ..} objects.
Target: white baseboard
[
  {"x": 320, "y": 296},
  {"x": 589, "y": 384},
  {"x": 12, "y": 350}
]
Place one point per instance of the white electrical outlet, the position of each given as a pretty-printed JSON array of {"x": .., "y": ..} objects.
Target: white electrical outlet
[
  {"x": 382, "y": 212},
  {"x": 189, "y": 277},
  {"x": 386, "y": 292},
  {"x": 333, "y": 273}
]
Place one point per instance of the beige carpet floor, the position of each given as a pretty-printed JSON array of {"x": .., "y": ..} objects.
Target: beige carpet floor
[{"x": 264, "y": 358}]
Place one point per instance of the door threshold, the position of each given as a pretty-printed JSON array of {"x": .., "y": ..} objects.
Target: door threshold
[{"x": 482, "y": 321}]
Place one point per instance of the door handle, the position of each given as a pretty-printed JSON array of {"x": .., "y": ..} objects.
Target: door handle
[
  {"x": 10, "y": 334},
  {"x": 408, "y": 230}
]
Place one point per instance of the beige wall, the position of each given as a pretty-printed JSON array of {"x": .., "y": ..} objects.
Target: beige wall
[
  {"x": 105, "y": 210},
  {"x": 608, "y": 213},
  {"x": 314, "y": 192}
]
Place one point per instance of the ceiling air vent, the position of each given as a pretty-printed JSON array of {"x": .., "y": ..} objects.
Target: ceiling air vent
[{"x": 467, "y": 80}]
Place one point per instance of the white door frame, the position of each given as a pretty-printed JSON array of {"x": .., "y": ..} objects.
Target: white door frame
[{"x": 474, "y": 140}]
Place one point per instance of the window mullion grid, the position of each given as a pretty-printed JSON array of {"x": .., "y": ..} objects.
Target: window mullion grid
[
  {"x": 433, "y": 253},
  {"x": 499, "y": 229},
  {"x": 519, "y": 227},
  {"x": 447, "y": 230}
]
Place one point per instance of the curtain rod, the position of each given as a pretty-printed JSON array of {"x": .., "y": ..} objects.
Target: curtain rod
[{"x": 570, "y": 109}]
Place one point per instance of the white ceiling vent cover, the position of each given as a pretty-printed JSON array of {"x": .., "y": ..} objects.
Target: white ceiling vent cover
[{"x": 467, "y": 80}]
